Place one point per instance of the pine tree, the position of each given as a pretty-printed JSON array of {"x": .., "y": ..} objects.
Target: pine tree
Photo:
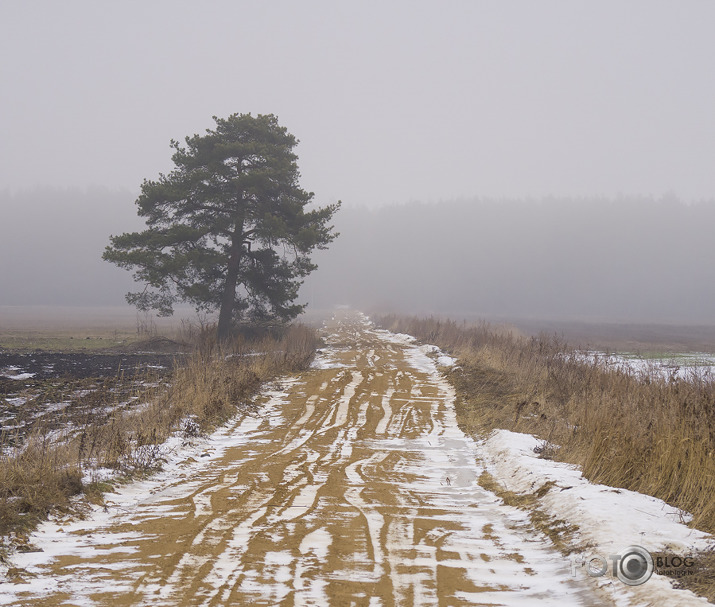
[{"x": 228, "y": 228}]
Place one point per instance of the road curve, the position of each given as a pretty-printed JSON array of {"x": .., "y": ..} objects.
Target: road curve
[{"x": 353, "y": 486}]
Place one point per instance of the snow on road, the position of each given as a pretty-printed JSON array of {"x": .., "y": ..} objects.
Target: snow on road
[{"x": 352, "y": 486}]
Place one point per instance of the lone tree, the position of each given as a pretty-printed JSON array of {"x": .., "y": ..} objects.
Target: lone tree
[{"x": 228, "y": 228}]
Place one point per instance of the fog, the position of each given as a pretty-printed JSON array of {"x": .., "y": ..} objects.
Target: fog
[
  {"x": 514, "y": 158},
  {"x": 617, "y": 260},
  {"x": 392, "y": 101},
  {"x": 620, "y": 260},
  {"x": 51, "y": 243}
]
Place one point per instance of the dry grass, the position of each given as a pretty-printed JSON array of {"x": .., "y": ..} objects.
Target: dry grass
[
  {"x": 702, "y": 582},
  {"x": 33, "y": 482},
  {"x": 208, "y": 388},
  {"x": 656, "y": 436}
]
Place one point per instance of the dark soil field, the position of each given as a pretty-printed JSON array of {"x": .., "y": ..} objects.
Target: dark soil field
[
  {"x": 61, "y": 368},
  {"x": 61, "y": 390}
]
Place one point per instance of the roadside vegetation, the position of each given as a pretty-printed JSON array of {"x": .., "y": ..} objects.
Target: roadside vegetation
[
  {"x": 655, "y": 436},
  {"x": 122, "y": 430}
]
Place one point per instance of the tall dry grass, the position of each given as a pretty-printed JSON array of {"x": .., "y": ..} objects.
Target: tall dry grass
[
  {"x": 655, "y": 436},
  {"x": 207, "y": 388}
]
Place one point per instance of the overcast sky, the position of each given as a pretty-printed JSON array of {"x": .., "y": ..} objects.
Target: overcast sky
[{"x": 392, "y": 101}]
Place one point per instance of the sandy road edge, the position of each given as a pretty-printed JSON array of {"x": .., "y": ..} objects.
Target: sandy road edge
[{"x": 178, "y": 453}]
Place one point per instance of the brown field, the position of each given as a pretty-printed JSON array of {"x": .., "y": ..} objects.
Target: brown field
[
  {"x": 81, "y": 328},
  {"x": 656, "y": 437},
  {"x": 349, "y": 485},
  {"x": 624, "y": 337}
]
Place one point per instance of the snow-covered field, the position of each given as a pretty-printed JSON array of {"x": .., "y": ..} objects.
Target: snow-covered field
[{"x": 687, "y": 365}]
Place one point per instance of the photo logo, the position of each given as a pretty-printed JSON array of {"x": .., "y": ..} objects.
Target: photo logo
[
  {"x": 635, "y": 566},
  {"x": 632, "y": 566}
]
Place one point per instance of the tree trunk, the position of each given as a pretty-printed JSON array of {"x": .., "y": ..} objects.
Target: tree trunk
[{"x": 229, "y": 293}]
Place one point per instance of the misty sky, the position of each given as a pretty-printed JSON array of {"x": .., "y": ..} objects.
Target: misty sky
[{"x": 392, "y": 101}]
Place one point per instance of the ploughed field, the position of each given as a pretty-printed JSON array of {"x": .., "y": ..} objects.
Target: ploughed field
[{"x": 63, "y": 390}]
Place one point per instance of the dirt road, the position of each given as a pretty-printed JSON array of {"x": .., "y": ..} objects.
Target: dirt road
[{"x": 353, "y": 486}]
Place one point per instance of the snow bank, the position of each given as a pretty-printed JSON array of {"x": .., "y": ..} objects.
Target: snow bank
[{"x": 609, "y": 519}]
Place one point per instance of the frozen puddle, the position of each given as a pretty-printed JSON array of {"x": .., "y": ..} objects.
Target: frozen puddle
[{"x": 353, "y": 486}]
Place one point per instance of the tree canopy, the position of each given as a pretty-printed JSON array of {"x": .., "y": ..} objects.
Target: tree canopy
[{"x": 228, "y": 229}]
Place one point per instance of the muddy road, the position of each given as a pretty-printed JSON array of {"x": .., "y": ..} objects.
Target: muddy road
[{"x": 354, "y": 486}]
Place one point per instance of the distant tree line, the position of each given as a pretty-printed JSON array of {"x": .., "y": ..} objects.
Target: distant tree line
[{"x": 630, "y": 258}]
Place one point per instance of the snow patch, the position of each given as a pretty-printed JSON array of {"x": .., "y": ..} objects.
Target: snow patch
[
  {"x": 19, "y": 376},
  {"x": 688, "y": 366},
  {"x": 446, "y": 361},
  {"x": 608, "y": 519}
]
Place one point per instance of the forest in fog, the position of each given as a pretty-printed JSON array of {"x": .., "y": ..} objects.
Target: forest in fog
[{"x": 626, "y": 259}]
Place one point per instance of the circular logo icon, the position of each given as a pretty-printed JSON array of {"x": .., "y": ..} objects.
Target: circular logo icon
[{"x": 635, "y": 566}]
